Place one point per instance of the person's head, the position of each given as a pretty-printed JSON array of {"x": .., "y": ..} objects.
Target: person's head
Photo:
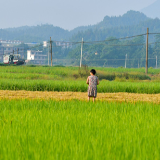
[{"x": 92, "y": 71}]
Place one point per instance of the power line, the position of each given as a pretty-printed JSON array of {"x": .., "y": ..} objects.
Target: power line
[
  {"x": 154, "y": 33},
  {"x": 102, "y": 40},
  {"x": 116, "y": 39},
  {"x": 140, "y": 44},
  {"x": 153, "y": 42},
  {"x": 105, "y": 40},
  {"x": 116, "y": 59},
  {"x": 92, "y": 42},
  {"x": 119, "y": 45}
]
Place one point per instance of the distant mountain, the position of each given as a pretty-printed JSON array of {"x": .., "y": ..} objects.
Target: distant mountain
[
  {"x": 34, "y": 33},
  {"x": 118, "y": 32},
  {"x": 128, "y": 19},
  {"x": 153, "y": 10},
  {"x": 131, "y": 23},
  {"x": 79, "y": 29}
]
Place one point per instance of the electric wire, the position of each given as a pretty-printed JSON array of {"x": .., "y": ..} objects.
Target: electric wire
[{"x": 63, "y": 43}]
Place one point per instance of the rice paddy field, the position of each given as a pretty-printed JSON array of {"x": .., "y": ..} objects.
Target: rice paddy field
[
  {"x": 38, "y": 129},
  {"x": 73, "y": 79},
  {"x": 44, "y": 114}
]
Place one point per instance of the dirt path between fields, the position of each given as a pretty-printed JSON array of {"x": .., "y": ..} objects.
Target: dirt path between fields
[{"x": 121, "y": 97}]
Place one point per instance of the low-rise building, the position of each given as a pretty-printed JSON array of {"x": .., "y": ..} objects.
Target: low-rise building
[
  {"x": 37, "y": 57},
  {"x": 64, "y": 44},
  {"x": 10, "y": 47},
  {"x": 1, "y": 53}
]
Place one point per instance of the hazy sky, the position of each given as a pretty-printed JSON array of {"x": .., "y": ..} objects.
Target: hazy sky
[{"x": 66, "y": 14}]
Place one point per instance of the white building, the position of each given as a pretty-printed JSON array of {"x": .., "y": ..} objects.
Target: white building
[
  {"x": 37, "y": 57},
  {"x": 29, "y": 55}
]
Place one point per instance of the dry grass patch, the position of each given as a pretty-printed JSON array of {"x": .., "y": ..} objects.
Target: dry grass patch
[{"x": 121, "y": 97}]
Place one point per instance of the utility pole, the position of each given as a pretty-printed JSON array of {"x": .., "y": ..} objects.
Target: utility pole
[
  {"x": 81, "y": 53},
  {"x": 48, "y": 54},
  {"x": 17, "y": 52},
  {"x": 51, "y": 50},
  {"x": 147, "y": 51},
  {"x": 138, "y": 63},
  {"x": 13, "y": 52},
  {"x": 156, "y": 61},
  {"x": 126, "y": 61}
]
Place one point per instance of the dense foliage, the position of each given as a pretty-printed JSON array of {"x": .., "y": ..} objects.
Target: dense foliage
[{"x": 113, "y": 52}]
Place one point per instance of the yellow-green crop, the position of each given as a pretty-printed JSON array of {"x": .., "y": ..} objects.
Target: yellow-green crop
[{"x": 78, "y": 130}]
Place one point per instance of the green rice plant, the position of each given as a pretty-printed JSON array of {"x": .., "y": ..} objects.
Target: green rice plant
[
  {"x": 35, "y": 129},
  {"x": 79, "y": 86},
  {"x": 62, "y": 79},
  {"x": 43, "y": 72},
  {"x": 129, "y": 70},
  {"x": 71, "y": 70}
]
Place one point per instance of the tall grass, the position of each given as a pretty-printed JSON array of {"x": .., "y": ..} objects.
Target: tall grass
[
  {"x": 78, "y": 130},
  {"x": 70, "y": 70},
  {"x": 79, "y": 86},
  {"x": 134, "y": 70},
  {"x": 72, "y": 79}
]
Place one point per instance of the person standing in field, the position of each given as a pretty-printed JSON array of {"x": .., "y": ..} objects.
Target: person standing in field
[{"x": 92, "y": 81}]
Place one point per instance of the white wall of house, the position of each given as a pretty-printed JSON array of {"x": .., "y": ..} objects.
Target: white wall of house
[{"x": 30, "y": 56}]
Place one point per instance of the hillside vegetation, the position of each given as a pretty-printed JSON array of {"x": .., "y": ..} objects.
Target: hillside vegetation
[{"x": 130, "y": 23}]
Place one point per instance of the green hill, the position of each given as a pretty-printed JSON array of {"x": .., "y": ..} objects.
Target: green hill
[{"x": 131, "y": 23}]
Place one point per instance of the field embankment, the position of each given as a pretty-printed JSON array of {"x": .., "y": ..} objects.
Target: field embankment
[{"x": 62, "y": 96}]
